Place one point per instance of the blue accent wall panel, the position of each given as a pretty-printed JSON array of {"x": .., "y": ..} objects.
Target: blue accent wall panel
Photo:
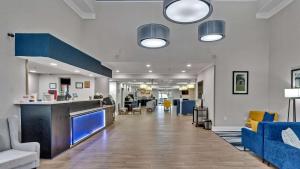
[
  {"x": 46, "y": 45},
  {"x": 85, "y": 125}
]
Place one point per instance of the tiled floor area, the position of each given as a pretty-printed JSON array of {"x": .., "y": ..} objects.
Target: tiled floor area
[{"x": 154, "y": 141}]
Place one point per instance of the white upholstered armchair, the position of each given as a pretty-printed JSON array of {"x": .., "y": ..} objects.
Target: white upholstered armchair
[{"x": 13, "y": 154}]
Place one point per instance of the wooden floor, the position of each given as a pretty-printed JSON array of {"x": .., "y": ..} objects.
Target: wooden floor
[{"x": 154, "y": 141}]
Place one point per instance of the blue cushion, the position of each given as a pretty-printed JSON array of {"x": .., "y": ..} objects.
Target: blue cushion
[{"x": 268, "y": 117}]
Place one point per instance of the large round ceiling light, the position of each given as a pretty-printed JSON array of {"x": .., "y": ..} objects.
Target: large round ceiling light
[
  {"x": 187, "y": 11},
  {"x": 211, "y": 31},
  {"x": 153, "y": 36}
]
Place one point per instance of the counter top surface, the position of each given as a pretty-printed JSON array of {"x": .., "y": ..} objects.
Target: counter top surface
[{"x": 51, "y": 102}]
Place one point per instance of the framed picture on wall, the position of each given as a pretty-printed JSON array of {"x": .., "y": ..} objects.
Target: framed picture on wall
[
  {"x": 295, "y": 78},
  {"x": 240, "y": 82},
  {"x": 87, "y": 84},
  {"x": 200, "y": 89},
  {"x": 52, "y": 86},
  {"x": 78, "y": 85}
]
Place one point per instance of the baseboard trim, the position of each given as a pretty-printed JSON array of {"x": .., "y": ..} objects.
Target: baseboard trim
[{"x": 226, "y": 128}]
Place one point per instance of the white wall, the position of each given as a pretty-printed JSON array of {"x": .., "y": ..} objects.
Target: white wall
[
  {"x": 208, "y": 78},
  {"x": 284, "y": 54},
  {"x": 51, "y": 16},
  {"x": 83, "y": 94},
  {"x": 102, "y": 85},
  {"x": 33, "y": 83},
  {"x": 245, "y": 48},
  {"x": 113, "y": 90}
]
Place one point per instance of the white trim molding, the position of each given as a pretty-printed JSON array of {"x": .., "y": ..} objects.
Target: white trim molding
[
  {"x": 226, "y": 128},
  {"x": 270, "y": 8},
  {"x": 76, "y": 8}
]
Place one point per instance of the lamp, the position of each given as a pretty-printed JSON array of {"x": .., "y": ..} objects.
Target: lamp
[
  {"x": 292, "y": 94},
  {"x": 211, "y": 31},
  {"x": 153, "y": 36},
  {"x": 187, "y": 11}
]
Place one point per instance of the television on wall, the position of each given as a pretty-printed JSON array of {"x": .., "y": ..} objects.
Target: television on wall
[
  {"x": 65, "y": 81},
  {"x": 185, "y": 92}
]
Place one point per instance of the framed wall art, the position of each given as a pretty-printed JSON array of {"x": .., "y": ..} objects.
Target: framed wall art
[
  {"x": 52, "y": 86},
  {"x": 78, "y": 85},
  {"x": 87, "y": 84},
  {"x": 295, "y": 74},
  {"x": 240, "y": 82},
  {"x": 200, "y": 89}
]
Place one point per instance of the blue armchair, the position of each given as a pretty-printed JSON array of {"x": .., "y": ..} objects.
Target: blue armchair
[
  {"x": 188, "y": 107},
  {"x": 276, "y": 152},
  {"x": 254, "y": 141}
]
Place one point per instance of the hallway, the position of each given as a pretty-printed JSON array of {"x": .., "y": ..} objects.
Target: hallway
[{"x": 154, "y": 141}]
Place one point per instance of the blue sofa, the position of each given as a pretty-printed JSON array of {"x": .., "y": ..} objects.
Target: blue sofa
[
  {"x": 276, "y": 152},
  {"x": 254, "y": 141}
]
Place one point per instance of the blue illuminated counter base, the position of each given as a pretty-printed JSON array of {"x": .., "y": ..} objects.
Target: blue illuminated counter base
[
  {"x": 59, "y": 125},
  {"x": 85, "y": 125}
]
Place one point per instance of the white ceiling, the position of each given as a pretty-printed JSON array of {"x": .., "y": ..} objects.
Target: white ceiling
[
  {"x": 265, "y": 8},
  {"x": 111, "y": 37}
]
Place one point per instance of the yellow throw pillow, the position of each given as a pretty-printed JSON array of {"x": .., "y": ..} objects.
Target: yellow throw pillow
[{"x": 254, "y": 125}]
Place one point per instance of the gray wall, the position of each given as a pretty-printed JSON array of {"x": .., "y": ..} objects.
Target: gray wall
[
  {"x": 284, "y": 54},
  {"x": 246, "y": 48},
  {"x": 51, "y": 16}
]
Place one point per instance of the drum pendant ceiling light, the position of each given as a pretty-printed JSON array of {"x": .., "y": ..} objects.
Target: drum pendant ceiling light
[
  {"x": 187, "y": 11},
  {"x": 153, "y": 36},
  {"x": 211, "y": 31}
]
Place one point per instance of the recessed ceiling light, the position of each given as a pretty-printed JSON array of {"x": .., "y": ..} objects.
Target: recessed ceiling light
[
  {"x": 183, "y": 71},
  {"x": 53, "y": 64},
  {"x": 188, "y": 65},
  {"x": 117, "y": 71},
  {"x": 76, "y": 71},
  {"x": 91, "y": 75},
  {"x": 150, "y": 71},
  {"x": 32, "y": 71},
  {"x": 148, "y": 65},
  {"x": 187, "y": 11}
]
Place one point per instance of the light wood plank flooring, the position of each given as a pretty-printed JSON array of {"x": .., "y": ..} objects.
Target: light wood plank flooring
[{"x": 154, "y": 141}]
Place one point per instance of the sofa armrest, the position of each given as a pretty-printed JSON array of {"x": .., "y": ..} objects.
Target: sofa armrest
[{"x": 32, "y": 147}]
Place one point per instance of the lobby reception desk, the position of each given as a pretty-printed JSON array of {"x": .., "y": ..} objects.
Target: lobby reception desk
[{"x": 59, "y": 125}]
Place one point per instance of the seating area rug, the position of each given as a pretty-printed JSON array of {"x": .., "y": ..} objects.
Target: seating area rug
[{"x": 232, "y": 137}]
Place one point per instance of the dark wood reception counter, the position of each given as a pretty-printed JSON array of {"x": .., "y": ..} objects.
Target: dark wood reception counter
[{"x": 59, "y": 125}]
